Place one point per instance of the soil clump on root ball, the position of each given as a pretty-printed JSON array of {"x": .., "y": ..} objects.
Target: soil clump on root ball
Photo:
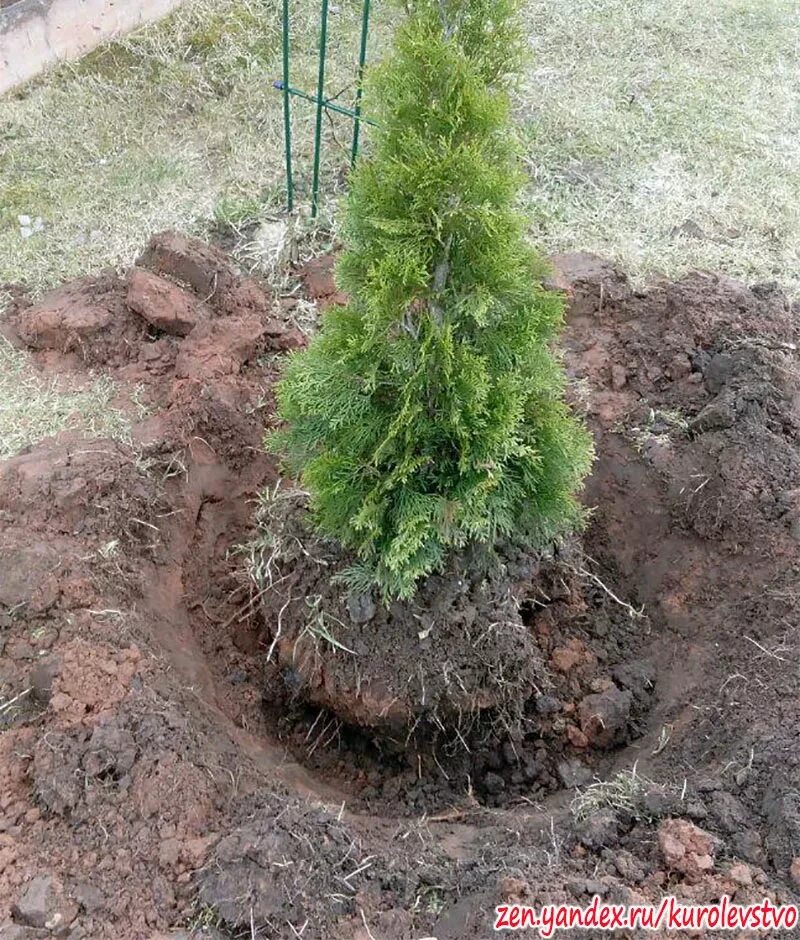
[
  {"x": 458, "y": 649},
  {"x": 486, "y": 683}
]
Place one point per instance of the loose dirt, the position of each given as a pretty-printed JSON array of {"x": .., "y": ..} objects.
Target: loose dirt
[{"x": 162, "y": 776}]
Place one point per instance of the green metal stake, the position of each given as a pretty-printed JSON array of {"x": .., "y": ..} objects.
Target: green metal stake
[
  {"x": 362, "y": 58},
  {"x": 322, "y": 104},
  {"x": 287, "y": 116},
  {"x": 327, "y": 103},
  {"x": 323, "y": 39}
]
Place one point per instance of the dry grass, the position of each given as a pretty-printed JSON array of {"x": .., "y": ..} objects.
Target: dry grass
[
  {"x": 176, "y": 125},
  {"x": 663, "y": 135},
  {"x": 621, "y": 793},
  {"x": 32, "y": 408}
]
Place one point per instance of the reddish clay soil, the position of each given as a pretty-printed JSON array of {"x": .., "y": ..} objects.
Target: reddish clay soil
[{"x": 159, "y": 777}]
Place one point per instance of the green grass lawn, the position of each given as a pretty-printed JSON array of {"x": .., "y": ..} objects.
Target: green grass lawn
[{"x": 662, "y": 135}]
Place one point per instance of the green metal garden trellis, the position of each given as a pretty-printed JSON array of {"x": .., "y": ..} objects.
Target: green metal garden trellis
[{"x": 322, "y": 103}]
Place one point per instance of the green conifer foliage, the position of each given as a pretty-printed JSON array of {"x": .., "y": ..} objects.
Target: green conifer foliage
[{"x": 428, "y": 413}]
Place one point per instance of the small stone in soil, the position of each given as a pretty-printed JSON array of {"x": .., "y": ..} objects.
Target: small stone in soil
[
  {"x": 41, "y": 680},
  {"x": 740, "y": 875},
  {"x": 749, "y": 845},
  {"x": 547, "y": 705},
  {"x": 718, "y": 414},
  {"x": 493, "y": 783},
  {"x": 11, "y": 931},
  {"x": 512, "y": 888},
  {"x": 604, "y": 716},
  {"x": 686, "y": 848},
  {"x": 588, "y": 886},
  {"x": 361, "y": 607},
  {"x": 573, "y": 772},
  {"x": 510, "y": 754},
  {"x": 658, "y": 801},
  {"x": 531, "y": 768},
  {"x": 164, "y": 305},
  {"x": 599, "y": 830},
  {"x": 42, "y": 905},
  {"x": 619, "y": 377},
  {"x": 88, "y": 896},
  {"x": 576, "y": 737}
]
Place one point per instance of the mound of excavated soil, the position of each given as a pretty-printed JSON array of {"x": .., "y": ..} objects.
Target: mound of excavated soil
[{"x": 151, "y": 787}]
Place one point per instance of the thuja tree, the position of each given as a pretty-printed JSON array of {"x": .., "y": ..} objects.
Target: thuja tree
[{"x": 428, "y": 413}]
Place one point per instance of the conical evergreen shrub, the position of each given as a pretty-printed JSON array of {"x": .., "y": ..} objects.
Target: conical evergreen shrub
[{"x": 428, "y": 413}]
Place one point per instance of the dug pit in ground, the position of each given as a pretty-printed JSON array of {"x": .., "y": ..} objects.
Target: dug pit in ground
[
  {"x": 141, "y": 776},
  {"x": 480, "y": 681}
]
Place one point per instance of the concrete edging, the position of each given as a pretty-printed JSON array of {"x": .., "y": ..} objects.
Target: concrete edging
[{"x": 35, "y": 34}]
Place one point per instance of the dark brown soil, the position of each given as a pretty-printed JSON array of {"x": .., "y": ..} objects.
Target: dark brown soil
[
  {"x": 458, "y": 649},
  {"x": 451, "y": 692},
  {"x": 148, "y": 790}
]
